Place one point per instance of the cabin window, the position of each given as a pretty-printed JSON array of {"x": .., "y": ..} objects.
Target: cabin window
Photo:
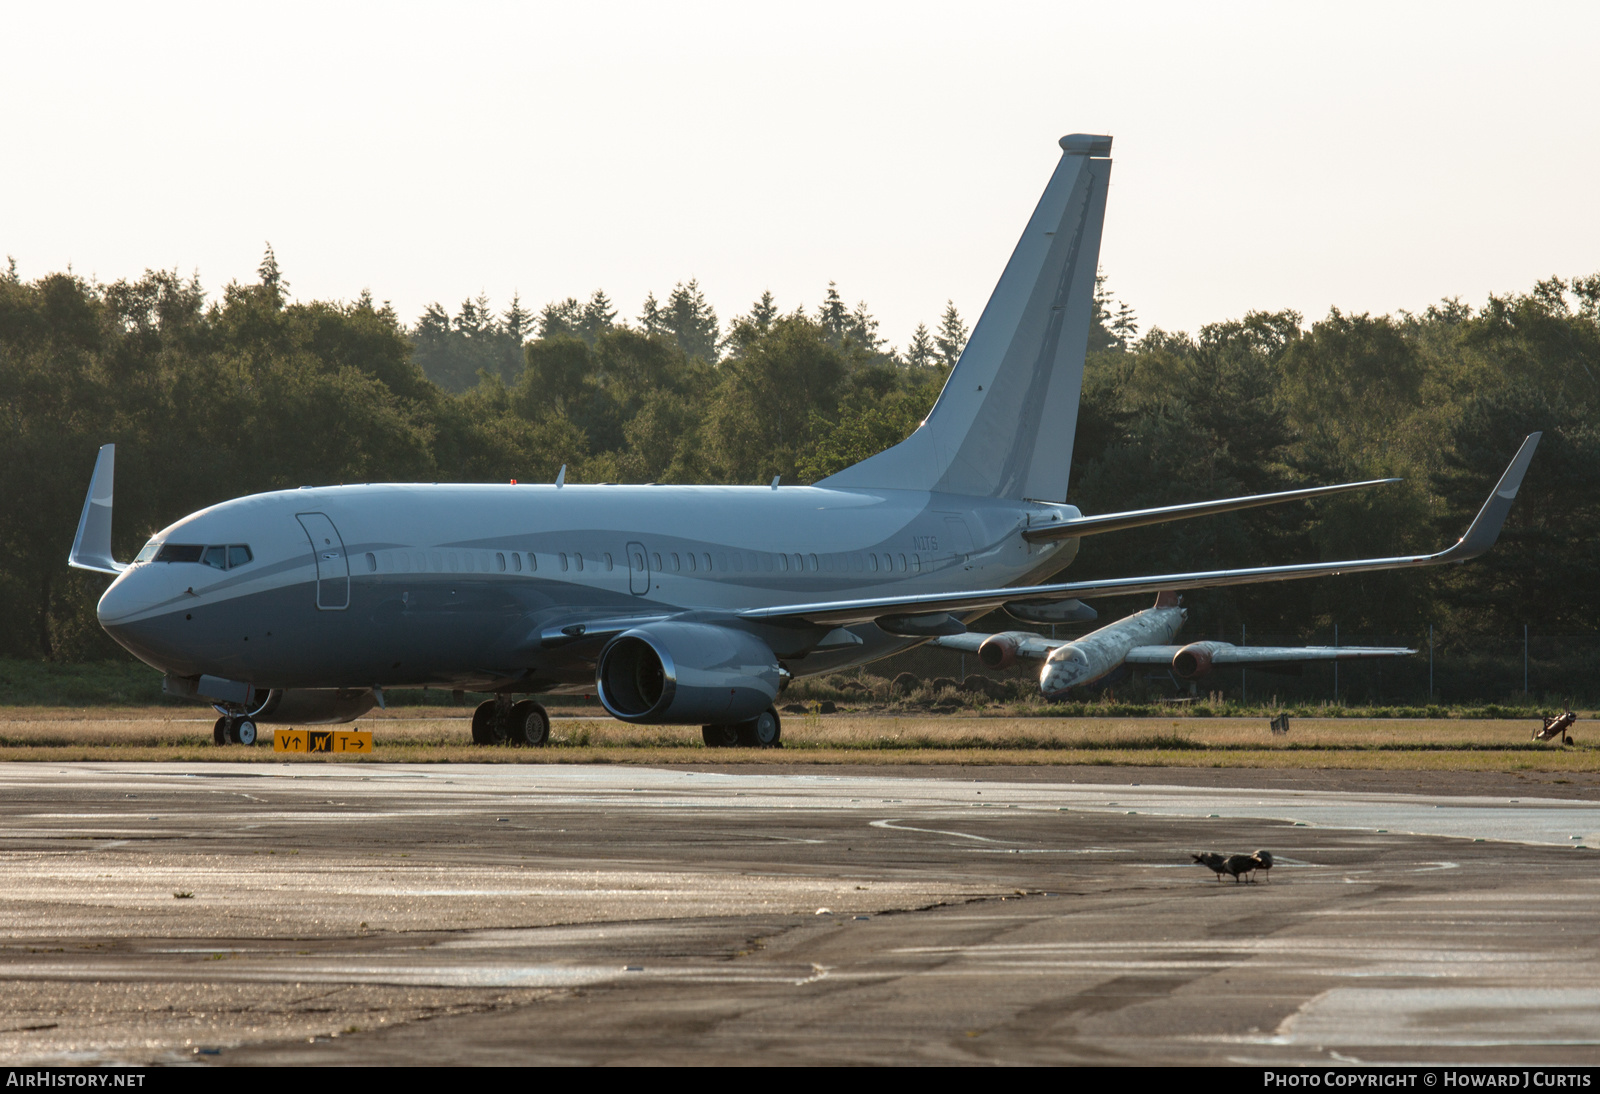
[
  {"x": 874, "y": 560},
  {"x": 813, "y": 560},
  {"x": 563, "y": 562},
  {"x": 916, "y": 564},
  {"x": 466, "y": 559},
  {"x": 675, "y": 566},
  {"x": 609, "y": 564},
  {"x": 533, "y": 562},
  {"x": 693, "y": 565},
  {"x": 706, "y": 557},
  {"x": 655, "y": 557},
  {"x": 500, "y": 560},
  {"x": 903, "y": 564},
  {"x": 372, "y": 563},
  {"x": 578, "y": 557},
  {"x": 783, "y": 563},
  {"x": 516, "y": 561}
]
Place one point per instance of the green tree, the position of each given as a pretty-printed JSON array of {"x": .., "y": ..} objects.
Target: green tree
[{"x": 952, "y": 336}]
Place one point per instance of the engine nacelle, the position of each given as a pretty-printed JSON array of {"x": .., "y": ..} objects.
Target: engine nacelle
[
  {"x": 999, "y": 651},
  {"x": 313, "y": 706},
  {"x": 687, "y": 674},
  {"x": 1193, "y": 661}
]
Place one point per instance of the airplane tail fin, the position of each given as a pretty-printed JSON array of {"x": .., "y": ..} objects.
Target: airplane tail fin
[{"x": 1004, "y": 423}]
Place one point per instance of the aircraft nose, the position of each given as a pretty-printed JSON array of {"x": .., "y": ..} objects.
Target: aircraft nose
[
  {"x": 135, "y": 611},
  {"x": 1059, "y": 674},
  {"x": 126, "y": 598}
]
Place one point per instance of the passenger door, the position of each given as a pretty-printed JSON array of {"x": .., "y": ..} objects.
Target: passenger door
[
  {"x": 333, "y": 568},
  {"x": 638, "y": 569}
]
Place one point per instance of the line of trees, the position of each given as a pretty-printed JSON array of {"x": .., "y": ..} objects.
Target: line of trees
[{"x": 210, "y": 399}]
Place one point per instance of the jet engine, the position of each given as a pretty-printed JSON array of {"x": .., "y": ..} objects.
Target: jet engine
[
  {"x": 687, "y": 674},
  {"x": 313, "y": 706},
  {"x": 1193, "y": 661},
  {"x": 999, "y": 651}
]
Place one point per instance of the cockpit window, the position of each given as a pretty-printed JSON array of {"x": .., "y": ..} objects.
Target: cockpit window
[
  {"x": 221, "y": 558},
  {"x": 149, "y": 552}
]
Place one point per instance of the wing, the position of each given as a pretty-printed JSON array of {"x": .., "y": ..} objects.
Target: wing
[
  {"x": 1026, "y": 644},
  {"x": 1479, "y": 537},
  {"x": 1222, "y": 653}
]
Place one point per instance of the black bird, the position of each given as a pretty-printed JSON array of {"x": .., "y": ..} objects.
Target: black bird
[
  {"x": 1239, "y": 865},
  {"x": 1263, "y": 860},
  {"x": 1212, "y": 861}
]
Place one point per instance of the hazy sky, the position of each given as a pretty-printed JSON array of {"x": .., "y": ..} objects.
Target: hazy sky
[{"x": 1366, "y": 156}]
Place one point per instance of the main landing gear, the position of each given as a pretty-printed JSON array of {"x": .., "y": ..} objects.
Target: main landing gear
[
  {"x": 502, "y": 722},
  {"x": 765, "y": 730},
  {"x": 234, "y": 729}
]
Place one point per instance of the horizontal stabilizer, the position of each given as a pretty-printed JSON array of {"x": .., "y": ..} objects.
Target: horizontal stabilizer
[
  {"x": 1480, "y": 536},
  {"x": 1138, "y": 518},
  {"x": 91, "y": 547}
]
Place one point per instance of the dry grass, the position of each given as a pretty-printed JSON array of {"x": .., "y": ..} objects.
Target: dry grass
[{"x": 412, "y": 735}]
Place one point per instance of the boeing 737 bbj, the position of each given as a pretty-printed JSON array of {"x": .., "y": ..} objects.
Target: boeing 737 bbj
[{"x": 678, "y": 604}]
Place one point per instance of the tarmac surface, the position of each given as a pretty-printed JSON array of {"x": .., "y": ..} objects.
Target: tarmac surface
[{"x": 521, "y": 914}]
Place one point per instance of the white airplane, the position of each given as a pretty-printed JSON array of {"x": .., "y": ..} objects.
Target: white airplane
[
  {"x": 676, "y": 604},
  {"x": 1143, "y": 638}
]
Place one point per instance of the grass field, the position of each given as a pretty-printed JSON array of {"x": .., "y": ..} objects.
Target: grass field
[{"x": 424, "y": 736}]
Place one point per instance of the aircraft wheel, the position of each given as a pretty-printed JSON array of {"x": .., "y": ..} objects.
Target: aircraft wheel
[
  {"x": 486, "y": 728},
  {"x": 765, "y": 730},
  {"x": 242, "y": 732},
  {"x": 720, "y": 736},
  {"x": 530, "y": 725},
  {"x": 220, "y": 731}
]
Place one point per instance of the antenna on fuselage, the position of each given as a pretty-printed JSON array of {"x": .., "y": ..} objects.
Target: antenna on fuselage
[
  {"x": 775, "y": 479},
  {"x": 561, "y": 477}
]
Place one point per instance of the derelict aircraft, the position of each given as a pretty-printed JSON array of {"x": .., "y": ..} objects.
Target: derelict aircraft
[
  {"x": 1143, "y": 638},
  {"x": 677, "y": 604}
]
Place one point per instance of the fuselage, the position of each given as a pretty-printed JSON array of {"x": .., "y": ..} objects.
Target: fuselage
[
  {"x": 408, "y": 585},
  {"x": 1100, "y": 653}
]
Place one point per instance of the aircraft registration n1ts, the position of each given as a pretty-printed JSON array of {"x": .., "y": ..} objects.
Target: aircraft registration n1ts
[{"x": 677, "y": 604}]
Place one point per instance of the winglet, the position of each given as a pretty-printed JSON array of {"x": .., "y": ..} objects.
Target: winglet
[
  {"x": 1485, "y": 527},
  {"x": 91, "y": 547}
]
